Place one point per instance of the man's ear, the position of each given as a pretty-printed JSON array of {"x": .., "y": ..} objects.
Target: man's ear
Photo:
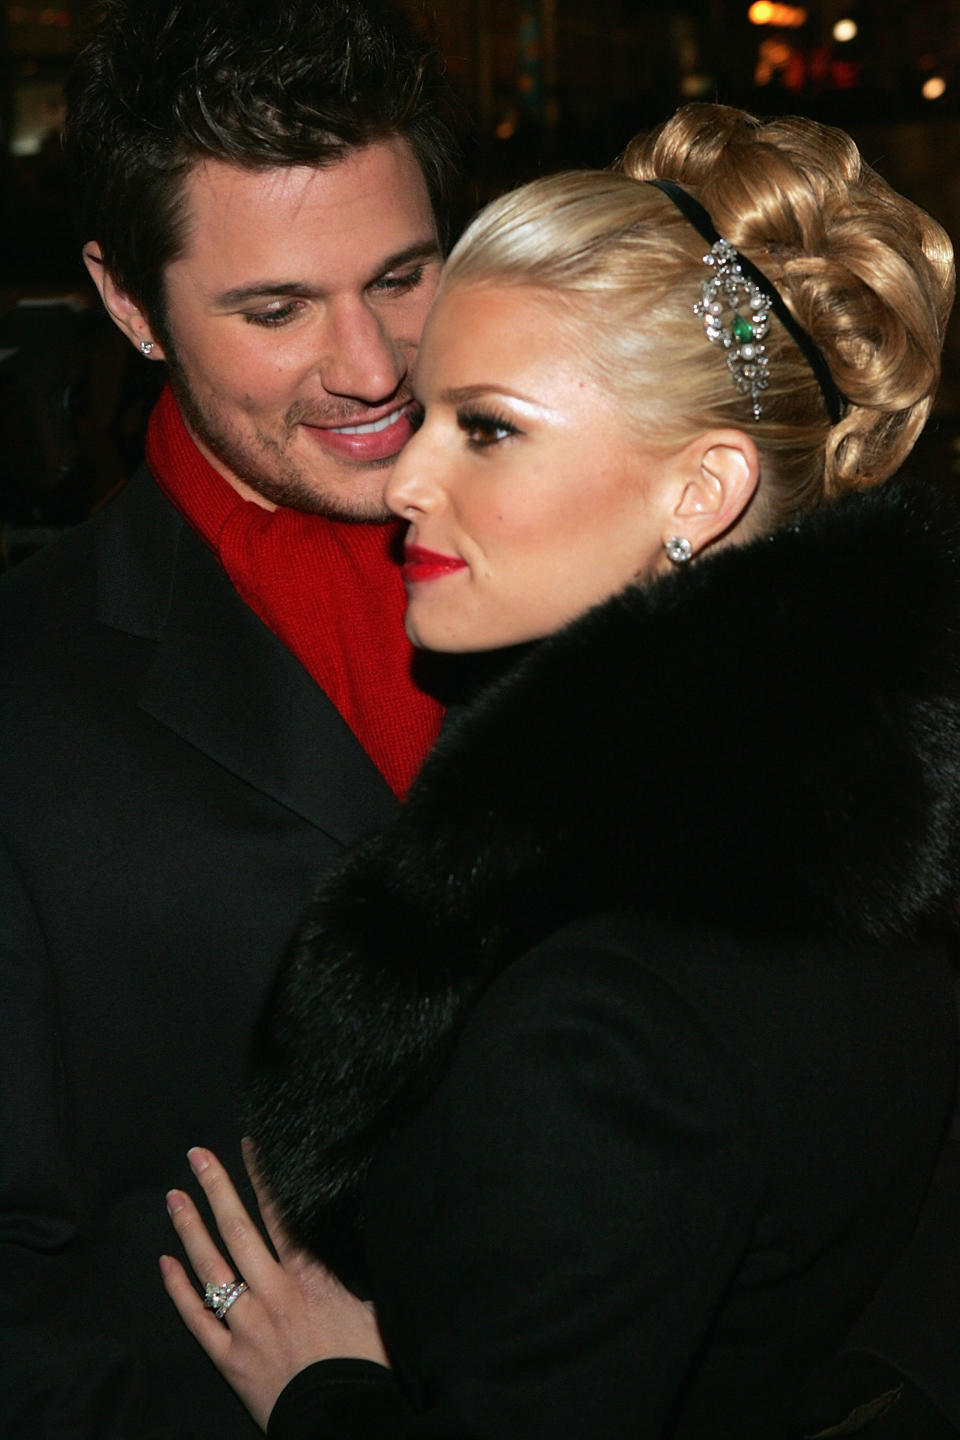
[
  {"x": 717, "y": 478},
  {"x": 121, "y": 307}
]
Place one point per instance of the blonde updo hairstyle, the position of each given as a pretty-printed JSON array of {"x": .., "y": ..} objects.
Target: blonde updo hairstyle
[{"x": 866, "y": 273}]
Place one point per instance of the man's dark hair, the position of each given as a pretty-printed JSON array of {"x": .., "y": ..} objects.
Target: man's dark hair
[{"x": 164, "y": 84}]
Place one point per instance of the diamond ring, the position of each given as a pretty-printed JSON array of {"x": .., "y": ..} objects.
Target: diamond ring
[{"x": 219, "y": 1298}]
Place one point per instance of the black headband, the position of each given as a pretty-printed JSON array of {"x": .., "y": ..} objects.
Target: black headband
[{"x": 814, "y": 356}]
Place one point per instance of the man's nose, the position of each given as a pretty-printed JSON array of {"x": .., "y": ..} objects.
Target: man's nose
[{"x": 362, "y": 360}]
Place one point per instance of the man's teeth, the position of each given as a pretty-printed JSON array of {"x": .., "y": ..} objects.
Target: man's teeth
[{"x": 372, "y": 427}]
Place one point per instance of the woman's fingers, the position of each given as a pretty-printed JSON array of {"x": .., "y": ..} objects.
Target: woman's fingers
[
  {"x": 240, "y": 1236},
  {"x": 268, "y": 1211},
  {"x": 209, "y": 1265},
  {"x": 202, "y": 1323}
]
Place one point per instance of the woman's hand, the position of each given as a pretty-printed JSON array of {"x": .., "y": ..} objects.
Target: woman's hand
[{"x": 291, "y": 1314}]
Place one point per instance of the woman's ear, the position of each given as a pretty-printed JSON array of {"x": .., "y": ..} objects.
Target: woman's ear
[
  {"x": 717, "y": 478},
  {"x": 121, "y": 307}
]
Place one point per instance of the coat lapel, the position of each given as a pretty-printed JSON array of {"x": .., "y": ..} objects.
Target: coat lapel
[{"x": 222, "y": 681}]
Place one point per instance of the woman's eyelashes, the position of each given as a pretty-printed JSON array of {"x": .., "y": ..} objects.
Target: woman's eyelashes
[{"x": 485, "y": 428}]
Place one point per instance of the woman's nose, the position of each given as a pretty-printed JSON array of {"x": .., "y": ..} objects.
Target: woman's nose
[{"x": 409, "y": 488}]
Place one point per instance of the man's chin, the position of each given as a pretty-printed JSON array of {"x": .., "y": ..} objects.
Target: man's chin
[
  {"x": 356, "y": 498},
  {"x": 360, "y": 503},
  {"x": 351, "y": 509},
  {"x": 353, "y": 494}
]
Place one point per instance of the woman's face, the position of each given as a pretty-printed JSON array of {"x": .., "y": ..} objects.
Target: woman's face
[{"x": 527, "y": 498}]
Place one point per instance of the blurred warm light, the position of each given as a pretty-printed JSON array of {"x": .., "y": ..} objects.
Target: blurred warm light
[
  {"x": 692, "y": 87},
  {"x": 40, "y": 111},
  {"x": 933, "y": 88},
  {"x": 24, "y": 15},
  {"x": 773, "y": 57},
  {"x": 845, "y": 30},
  {"x": 767, "y": 12}
]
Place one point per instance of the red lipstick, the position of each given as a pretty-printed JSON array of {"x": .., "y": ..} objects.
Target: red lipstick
[{"x": 420, "y": 564}]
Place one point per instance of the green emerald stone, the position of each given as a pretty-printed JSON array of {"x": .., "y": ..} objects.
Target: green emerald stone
[{"x": 742, "y": 329}]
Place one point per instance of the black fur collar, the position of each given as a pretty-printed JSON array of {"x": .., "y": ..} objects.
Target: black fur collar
[{"x": 771, "y": 738}]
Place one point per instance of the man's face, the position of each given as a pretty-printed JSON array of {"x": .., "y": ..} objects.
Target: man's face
[{"x": 294, "y": 315}]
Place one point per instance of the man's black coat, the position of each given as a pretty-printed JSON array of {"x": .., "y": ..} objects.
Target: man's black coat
[{"x": 171, "y": 782}]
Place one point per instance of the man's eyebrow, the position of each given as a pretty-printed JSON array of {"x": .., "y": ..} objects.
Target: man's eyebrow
[
  {"x": 299, "y": 290},
  {"x": 422, "y": 250}
]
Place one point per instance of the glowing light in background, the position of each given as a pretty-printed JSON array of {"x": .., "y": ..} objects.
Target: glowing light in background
[
  {"x": 767, "y": 12},
  {"x": 772, "y": 59},
  {"x": 845, "y": 30},
  {"x": 933, "y": 88}
]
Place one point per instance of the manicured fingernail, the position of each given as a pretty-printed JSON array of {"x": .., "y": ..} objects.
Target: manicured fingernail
[
  {"x": 175, "y": 1201},
  {"x": 199, "y": 1159},
  {"x": 166, "y": 1264}
]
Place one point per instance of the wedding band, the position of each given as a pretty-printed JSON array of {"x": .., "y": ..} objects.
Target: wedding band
[{"x": 219, "y": 1298}]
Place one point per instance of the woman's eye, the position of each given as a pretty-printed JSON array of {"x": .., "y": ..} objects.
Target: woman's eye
[
  {"x": 483, "y": 430},
  {"x": 277, "y": 316}
]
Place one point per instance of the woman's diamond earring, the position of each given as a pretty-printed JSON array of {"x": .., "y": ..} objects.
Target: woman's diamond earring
[
  {"x": 146, "y": 347},
  {"x": 678, "y": 549}
]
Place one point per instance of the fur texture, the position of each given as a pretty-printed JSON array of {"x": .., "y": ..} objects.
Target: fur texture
[{"x": 769, "y": 739}]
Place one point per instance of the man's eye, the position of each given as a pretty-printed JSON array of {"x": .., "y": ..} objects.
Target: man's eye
[
  {"x": 399, "y": 284},
  {"x": 277, "y": 316}
]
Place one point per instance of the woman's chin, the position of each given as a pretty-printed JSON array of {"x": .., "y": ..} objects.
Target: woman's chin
[
  {"x": 427, "y": 633},
  {"x": 448, "y": 642},
  {"x": 424, "y": 638}
]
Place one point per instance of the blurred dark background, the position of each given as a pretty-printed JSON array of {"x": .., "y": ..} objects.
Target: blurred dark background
[{"x": 547, "y": 84}]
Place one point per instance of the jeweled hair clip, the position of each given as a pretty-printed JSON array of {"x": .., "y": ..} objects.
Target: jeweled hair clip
[
  {"x": 736, "y": 285},
  {"x": 728, "y": 292}
]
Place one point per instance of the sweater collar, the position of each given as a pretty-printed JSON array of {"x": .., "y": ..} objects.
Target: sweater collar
[{"x": 330, "y": 591}]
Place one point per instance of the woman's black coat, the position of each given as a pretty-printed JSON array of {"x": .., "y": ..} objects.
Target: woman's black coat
[{"x": 616, "y": 1067}]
